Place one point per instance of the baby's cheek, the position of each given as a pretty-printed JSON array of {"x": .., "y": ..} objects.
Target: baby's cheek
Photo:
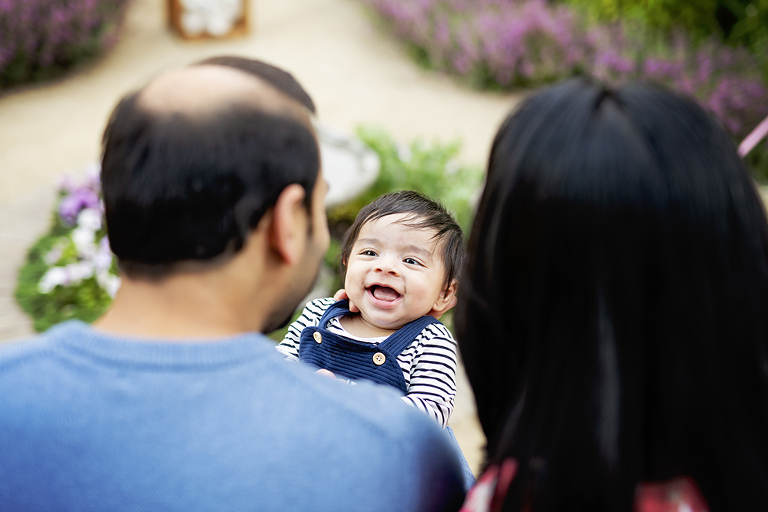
[{"x": 353, "y": 286}]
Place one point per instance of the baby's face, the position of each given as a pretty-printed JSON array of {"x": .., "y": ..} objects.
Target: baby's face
[{"x": 395, "y": 273}]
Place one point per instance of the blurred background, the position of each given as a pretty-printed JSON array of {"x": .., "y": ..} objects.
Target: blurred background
[{"x": 409, "y": 94}]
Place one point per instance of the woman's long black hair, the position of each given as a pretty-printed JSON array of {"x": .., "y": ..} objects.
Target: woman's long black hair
[{"x": 613, "y": 317}]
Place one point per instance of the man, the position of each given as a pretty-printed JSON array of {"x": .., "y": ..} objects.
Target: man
[{"x": 172, "y": 401}]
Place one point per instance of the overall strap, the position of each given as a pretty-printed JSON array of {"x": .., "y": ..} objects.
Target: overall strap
[
  {"x": 340, "y": 308},
  {"x": 400, "y": 339}
]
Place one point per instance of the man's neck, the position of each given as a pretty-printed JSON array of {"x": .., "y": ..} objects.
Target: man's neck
[{"x": 180, "y": 307}]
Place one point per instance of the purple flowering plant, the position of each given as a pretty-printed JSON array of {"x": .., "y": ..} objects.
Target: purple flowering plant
[
  {"x": 524, "y": 43},
  {"x": 70, "y": 272},
  {"x": 42, "y": 38}
]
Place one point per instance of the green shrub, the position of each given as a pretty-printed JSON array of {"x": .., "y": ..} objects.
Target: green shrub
[
  {"x": 70, "y": 272},
  {"x": 738, "y": 22},
  {"x": 85, "y": 302},
  {"x": 757, "y": 161},
  {"x": 430, "y": 169}
]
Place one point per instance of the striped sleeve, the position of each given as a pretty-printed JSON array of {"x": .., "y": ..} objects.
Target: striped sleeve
[
  {"x": 431, "y": 373},
  {"x": 311, "y": 315}
]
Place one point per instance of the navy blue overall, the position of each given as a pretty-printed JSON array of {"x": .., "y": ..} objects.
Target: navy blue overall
[
  {"x": 377, "y": 362},
  {"x": 355, "y": 359}
]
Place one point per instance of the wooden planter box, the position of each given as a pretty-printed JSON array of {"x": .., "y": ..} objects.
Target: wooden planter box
[{"x": 208, "y": 19}]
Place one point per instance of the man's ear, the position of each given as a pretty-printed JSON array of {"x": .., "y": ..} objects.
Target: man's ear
[
  {"x": 446, "y": 301},
  {"x": 290, "y": 224}
]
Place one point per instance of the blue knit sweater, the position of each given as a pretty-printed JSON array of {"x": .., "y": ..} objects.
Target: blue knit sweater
[{"x": 96, "y": 422}]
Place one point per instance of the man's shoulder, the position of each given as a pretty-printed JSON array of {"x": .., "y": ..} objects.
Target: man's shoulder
[
  {"x": 376, "y": 408},
  {"x": 269, "y": 417},
  {"x": 22, "y": 351},
  {"x": 364, "y": 408},
  {"x": 373, "y": 432}
]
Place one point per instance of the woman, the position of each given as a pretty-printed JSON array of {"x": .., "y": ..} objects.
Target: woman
[{"x": 613, "y": 317}]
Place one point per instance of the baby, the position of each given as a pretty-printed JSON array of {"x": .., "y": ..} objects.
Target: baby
[{"x": 400, "y": 259}]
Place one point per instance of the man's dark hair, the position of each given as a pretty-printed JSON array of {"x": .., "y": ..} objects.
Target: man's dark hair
[
  {"x": 613, "y": 319},
  {"x": 180, "y": 187},
  {"x": 274, "y": 76},
  {"x": 423, "y": 213}
]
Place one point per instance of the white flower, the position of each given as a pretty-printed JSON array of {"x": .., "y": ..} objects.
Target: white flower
[
  {"x": 102, "y": 260},
  {"x": 193, "y": 23},
  {"x": 93, "y": 175},
  {"x": 213, "y": 16},
  {"x": 452, "y": 166},
  {"x": 54, "y": 254},
  {"x": 80, "y": 271},
  {"x": 404, "y": 153},
  {"x": 84, "y": 240},
  {"x": 219, "y": 25},
  {"x": 113, "y": 284},
  {"x": 55, "y": 276},
  {"x": 110, "y": 282},
  {"x": 89, "y": 218}
]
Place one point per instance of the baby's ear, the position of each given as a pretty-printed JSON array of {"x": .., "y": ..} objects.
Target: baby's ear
[{"x": 446, "y": 301}]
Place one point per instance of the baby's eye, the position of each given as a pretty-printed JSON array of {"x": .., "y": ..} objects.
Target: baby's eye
[
  {"x": 411, "y": 261},
  {"x": 368, "y": 252}
]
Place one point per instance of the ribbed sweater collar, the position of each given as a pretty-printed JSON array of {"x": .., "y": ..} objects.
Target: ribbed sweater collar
[{"x": 79, "y": 337}]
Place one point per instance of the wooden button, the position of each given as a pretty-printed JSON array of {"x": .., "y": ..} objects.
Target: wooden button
[
  {"x": 318, "y": 337},
  {"x": 379, "y": 358}
]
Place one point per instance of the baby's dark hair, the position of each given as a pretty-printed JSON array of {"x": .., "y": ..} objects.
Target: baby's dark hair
[{"x": 424, "y": 213}]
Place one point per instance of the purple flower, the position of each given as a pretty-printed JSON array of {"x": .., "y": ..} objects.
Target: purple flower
[
  {"x": 77, "y": 197},
  {"x": 37, "y": 34},
  {"x": 523, "y": 42}
]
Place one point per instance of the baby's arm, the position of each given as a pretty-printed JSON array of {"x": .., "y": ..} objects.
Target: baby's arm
[
  {"x": 311, "y": 315},
  {"x": 432, "y": 386}
]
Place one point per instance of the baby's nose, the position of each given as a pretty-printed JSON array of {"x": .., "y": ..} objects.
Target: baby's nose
[{"x": 386, "y": 265}]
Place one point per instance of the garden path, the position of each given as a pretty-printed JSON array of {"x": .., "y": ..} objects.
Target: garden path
[{"x": 355, "y": 73}]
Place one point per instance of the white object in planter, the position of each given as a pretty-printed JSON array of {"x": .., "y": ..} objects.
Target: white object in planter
[
  {"x": 349, "y": 166},
  {"x": 215, "y": 17}
]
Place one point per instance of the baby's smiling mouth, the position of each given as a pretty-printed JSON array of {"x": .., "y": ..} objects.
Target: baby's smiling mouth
[{"x": 384, "y": 293}]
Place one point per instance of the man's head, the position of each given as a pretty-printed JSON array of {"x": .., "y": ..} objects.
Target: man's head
[
  {"x": 202, "y": 159},
  {"x": 192, "y": 161},
  {"x": 400, "y": 259}
]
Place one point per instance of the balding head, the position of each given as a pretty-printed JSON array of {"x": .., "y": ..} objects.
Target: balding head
[
  {"x": 193, "y": 160},
  {"x": 205, "y": 89}
]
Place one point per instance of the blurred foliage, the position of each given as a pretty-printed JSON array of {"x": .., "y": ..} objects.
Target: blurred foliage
[
  {"x": 70, "y": 273},
  {"x": 757, "y": 161},
  {"x": 87, "y": 301},
  {"x": 737, "y": 22},
  {"x": 505, "y": 44},
  {"x": 278, "y": 335},
  {"x": 333, "y": 261},
  {"x": 430, "y": 169},
  {"x": 42, "y": 39}
]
